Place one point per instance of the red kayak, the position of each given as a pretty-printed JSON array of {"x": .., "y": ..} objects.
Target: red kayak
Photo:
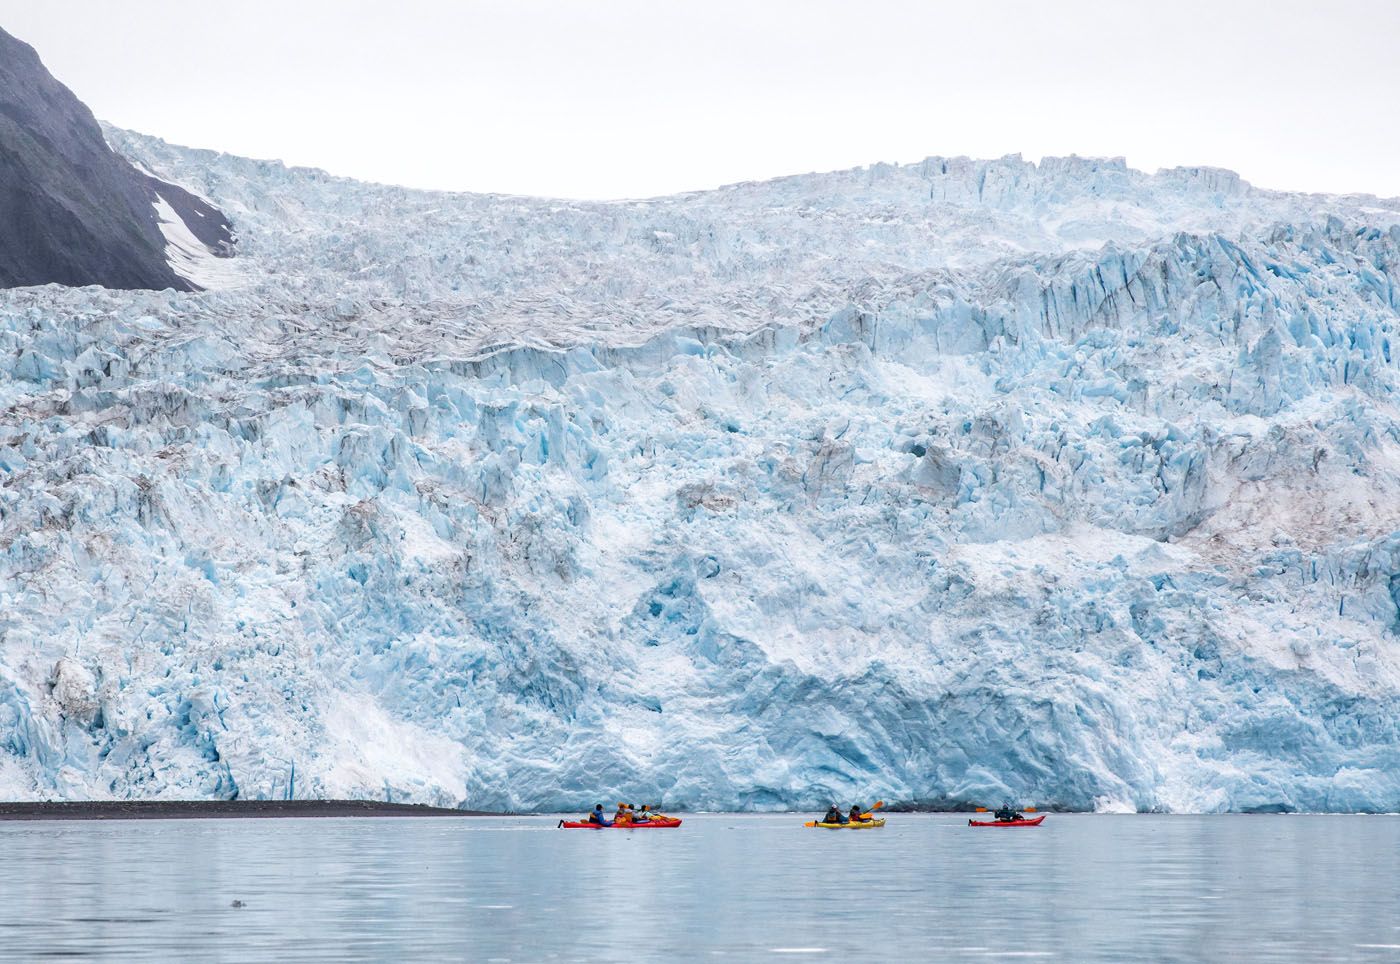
[
  {"x": 1033, "y": 822},
  {"x": 649, "y": 825}
]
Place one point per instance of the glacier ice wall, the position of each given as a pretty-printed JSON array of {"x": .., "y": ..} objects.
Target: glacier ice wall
[{"x": 935, "y": 482}]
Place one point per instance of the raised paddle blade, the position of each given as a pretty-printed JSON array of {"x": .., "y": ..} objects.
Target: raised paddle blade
[
  {"x": 979, "y": 809},
  {"x": 1029, "y": 809}
]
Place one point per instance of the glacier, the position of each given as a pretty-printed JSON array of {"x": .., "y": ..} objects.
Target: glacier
[{"x": 939, "y": 482}]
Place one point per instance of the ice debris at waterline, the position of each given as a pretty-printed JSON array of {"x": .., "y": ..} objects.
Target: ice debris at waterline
[{"x": 958, "y": 480}]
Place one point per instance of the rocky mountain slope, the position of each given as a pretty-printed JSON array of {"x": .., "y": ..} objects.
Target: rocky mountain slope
[{"x": 75, "y": 213}]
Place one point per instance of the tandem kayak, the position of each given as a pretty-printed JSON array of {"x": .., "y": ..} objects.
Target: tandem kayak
[
  {"x": 859, "y": 825},
  {"x": 649, "y": 825},
  {"x": 1033, "y": 822}
]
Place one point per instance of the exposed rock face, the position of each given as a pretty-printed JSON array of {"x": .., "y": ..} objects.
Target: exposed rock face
[{"x": 72, "y": 212}]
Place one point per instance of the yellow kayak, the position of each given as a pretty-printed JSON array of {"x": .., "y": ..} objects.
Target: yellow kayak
[{"x": 862, "y": 825}]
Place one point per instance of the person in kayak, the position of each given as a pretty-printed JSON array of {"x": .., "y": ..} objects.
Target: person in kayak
[
  {"x": 1007, "y": 814},
  {"x": 597, "y": 817},
  {"x": 858, "y": 815},
  {"x": 643, "y": 815},
  {"x": 834, "y": 815},
  {"x": 623, "y": 815}
]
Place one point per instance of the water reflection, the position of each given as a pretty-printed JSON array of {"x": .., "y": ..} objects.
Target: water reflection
[{"x": 1080, "y": 888}]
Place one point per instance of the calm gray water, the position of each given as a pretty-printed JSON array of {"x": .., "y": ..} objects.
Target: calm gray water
[{"x": 1079, "y": 888}]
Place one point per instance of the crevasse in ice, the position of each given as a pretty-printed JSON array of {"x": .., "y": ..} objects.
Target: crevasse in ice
[{"x": 940, "y": 482}]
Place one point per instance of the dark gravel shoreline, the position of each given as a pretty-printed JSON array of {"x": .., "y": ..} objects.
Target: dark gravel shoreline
[{"x": 210, "y": 809}]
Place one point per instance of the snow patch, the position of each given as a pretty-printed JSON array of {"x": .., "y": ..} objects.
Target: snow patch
[{"x": 189, "y": 256}]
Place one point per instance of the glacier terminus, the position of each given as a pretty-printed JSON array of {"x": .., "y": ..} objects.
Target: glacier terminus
[{"x": 940, "y": 482}]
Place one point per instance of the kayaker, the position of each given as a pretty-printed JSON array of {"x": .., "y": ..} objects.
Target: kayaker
[
  {"x": 597, "y": 816},
  {"x": 857, "y": 815},
  {"x": 643, "y": 815},
  {"x": 1007, "y": 814},
  {"x": 834, "y": 815},
  {"x": 623, "y": 816}
]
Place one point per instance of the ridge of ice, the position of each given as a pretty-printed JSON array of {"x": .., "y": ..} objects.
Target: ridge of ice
[{"x": 947, "y": 481}]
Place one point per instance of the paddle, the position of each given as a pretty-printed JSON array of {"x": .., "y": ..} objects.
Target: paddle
[
  {"x": 864, "y": 816},
  {"x": 1023, "y": 810}
]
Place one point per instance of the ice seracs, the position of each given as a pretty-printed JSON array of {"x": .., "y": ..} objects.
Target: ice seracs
[{"x": 949, "y": 481}]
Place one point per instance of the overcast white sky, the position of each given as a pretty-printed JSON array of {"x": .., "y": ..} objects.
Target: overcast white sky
[{"x": 610, "y": 99}]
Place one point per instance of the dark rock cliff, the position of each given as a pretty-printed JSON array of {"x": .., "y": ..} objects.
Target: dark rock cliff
[{"x": 72, "y": 211}]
